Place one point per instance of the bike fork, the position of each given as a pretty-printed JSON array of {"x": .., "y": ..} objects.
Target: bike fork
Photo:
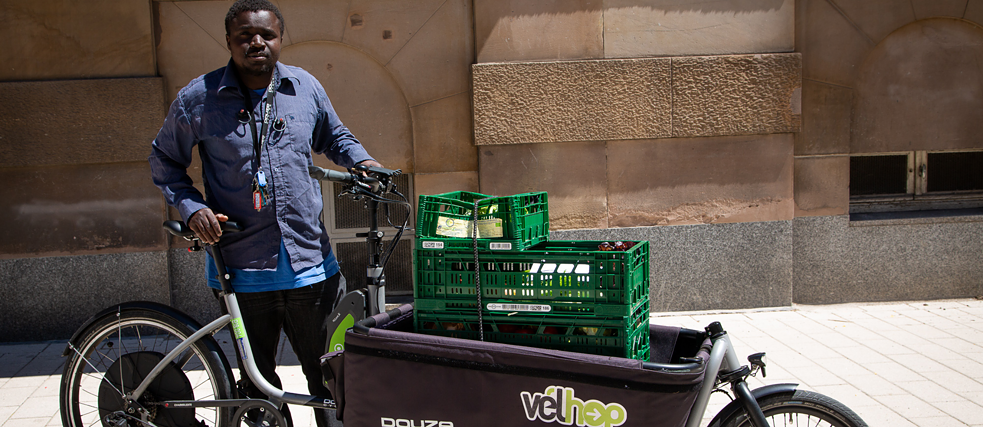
[
  {"x": 375, "y": 281},
  {"x": 754, "y": 412}
]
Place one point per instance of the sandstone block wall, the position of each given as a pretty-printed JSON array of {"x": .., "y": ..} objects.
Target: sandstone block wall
[
  {"x": 657, "y": 139},
  {"x": 733, "y": 120},
  {"x": 78, "y": 108},
  {"x": 615, "y": 107},
  {"x": 533, "y": 102},
  {"x": 536, "y": 30},
  {"x": 602, "y": 100}
]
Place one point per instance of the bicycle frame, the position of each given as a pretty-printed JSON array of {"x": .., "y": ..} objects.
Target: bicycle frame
[
  {"x": 375, "y": 281},
  {"x": 234, "y": 317}
]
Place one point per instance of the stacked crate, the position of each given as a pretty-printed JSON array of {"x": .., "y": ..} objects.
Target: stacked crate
[{"x": 565, "y": 295}]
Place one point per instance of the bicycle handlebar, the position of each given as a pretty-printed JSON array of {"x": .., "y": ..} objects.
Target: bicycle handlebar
[
  {"x": 180, "y": 229},
  {"x": 365, "y": 182}
]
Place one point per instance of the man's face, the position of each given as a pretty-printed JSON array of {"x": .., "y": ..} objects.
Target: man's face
[{"x": 254, "y": 41}]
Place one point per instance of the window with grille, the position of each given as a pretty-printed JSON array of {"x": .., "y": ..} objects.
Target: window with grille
[
  {"x": 954, "y": 172},
  {"x": 917, "y": 180},
  {"x": 350, "y": 213},
  {"x": 879, "y": 175},
  {"x": 353, "y": 257}
]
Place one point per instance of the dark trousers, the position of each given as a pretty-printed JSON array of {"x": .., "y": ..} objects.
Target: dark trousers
[{"x": 302, "y": 314}]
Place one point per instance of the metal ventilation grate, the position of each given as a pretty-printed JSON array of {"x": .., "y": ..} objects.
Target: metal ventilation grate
[
  {"x": 955, "y": 171},
  {"x": 878, "y": 175},
  {"x": 353, "y": 258},
  {"x": 349, "y": 213}
]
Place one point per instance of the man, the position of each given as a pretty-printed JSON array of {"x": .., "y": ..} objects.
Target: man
[{"x": 256, "y": 124}]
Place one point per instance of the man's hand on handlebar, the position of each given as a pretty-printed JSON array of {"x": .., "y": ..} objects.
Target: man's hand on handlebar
[
  {"x": 207, "y": 225},
  {"x": 370, "y": 163},
  {"x": 367, "y": 176}
]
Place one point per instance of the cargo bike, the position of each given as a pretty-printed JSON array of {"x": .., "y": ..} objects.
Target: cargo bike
[{"x": 146, "y": 364}]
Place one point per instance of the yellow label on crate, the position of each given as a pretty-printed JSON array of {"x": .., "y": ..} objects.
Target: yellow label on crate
[
  {"x": 490, "y": 228},
  {"x": 452, "y": 227}
]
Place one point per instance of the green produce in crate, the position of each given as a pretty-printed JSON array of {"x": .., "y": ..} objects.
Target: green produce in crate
[{"x": 616, "y": 246}]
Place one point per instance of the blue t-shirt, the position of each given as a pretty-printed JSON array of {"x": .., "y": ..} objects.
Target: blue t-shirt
[{"x": 283, "y": 278}]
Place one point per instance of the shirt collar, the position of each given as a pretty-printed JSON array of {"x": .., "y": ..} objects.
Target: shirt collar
[{"x": 230, "y": 81}]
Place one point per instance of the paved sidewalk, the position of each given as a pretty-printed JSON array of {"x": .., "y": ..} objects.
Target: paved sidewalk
[{"x": 895, "y": 364}]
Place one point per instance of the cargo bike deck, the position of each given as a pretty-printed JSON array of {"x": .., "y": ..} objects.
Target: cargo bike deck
[{"x": 401, "y": 378}]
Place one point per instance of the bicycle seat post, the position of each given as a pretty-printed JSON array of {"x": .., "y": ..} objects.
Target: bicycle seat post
[{"x": 224, "y": 277}]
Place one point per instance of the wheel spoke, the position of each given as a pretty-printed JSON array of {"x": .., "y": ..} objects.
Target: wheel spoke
[
  {"x": 93, "y": 412},
  {"x": 96, "y": 370}
]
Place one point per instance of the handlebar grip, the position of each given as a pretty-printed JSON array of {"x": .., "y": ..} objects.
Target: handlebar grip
[
  {"x": 180, "y": 229},
  {"x": 344, "y": 177},
  {"x": 330, "y": 175}
]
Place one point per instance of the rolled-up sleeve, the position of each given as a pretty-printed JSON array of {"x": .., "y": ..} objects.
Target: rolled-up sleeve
[{"x": 170, "y": 158}]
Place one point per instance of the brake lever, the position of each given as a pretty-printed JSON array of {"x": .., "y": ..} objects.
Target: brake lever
[{"x": 377, "y": 170}]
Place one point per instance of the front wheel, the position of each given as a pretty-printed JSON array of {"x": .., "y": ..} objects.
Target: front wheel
[
  {"x": 115, "y": 354},
  {"x": 800, "y": 408}
]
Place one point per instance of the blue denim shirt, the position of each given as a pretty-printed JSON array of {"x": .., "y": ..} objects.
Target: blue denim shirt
[{"x": 205, "y": 114}]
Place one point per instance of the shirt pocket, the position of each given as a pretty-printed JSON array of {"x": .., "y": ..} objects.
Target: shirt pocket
[
  {"x": 228, "y": 147},
  {"x": 299, "y": 126}
]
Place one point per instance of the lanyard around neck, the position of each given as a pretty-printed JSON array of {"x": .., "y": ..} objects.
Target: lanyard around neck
[{"x": 260, "y": 140}]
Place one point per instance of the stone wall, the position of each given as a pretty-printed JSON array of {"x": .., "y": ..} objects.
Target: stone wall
[
  {"x": 82, "y": 220},
  {"x": 912, "y": 258},
  {"x": 713, "y": 124},
  {"x": 653, "y": 139},
  {"x": 883, "y": 77},
  {"x": 711, "y": 266},
  {"x": 879, "y": 77},
  {"x": 720, "y": 131},
  {"x": 546, "y": 30}
]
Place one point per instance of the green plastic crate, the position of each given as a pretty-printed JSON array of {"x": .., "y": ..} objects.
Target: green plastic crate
[
  {"x": 513, "y": 307},
  {"x": 509, "y": 222},
  {"x": 557, "y": 271},
  {"x": 608, "y": 336}
]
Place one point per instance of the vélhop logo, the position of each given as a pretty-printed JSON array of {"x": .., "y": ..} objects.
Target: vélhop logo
[{"x": 559, "y": 405}]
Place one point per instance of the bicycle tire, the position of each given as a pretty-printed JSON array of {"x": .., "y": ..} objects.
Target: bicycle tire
[
  {"x": 800, "y": 408},
  {"x": 117, "y": 351}
]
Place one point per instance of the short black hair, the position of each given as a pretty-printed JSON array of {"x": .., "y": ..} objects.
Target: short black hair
[{"x": 251, "y": 6}]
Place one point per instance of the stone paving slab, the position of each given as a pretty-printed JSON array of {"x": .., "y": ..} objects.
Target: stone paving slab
[{"x": 895, "y": 364}]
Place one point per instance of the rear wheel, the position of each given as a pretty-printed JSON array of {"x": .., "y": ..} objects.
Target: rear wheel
[
  {"x": 119, "y": 350},
  {"x": 800, "y": 408}
]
